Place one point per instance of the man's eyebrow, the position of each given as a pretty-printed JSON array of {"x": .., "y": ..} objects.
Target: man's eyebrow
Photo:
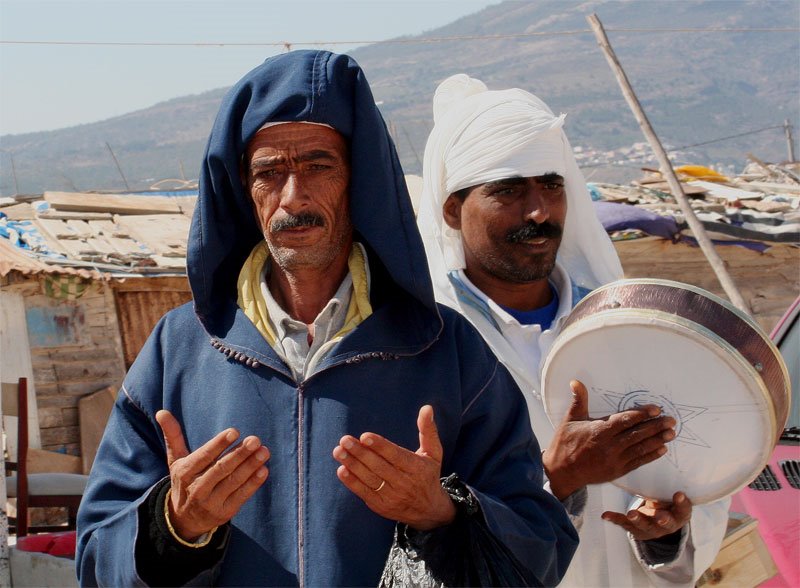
[
  {"x": 549, "y": 177},
  {"x": 314, "y": 155},
  {"x": 266, "y": 160},
  {"x": 502, "y": 183}
]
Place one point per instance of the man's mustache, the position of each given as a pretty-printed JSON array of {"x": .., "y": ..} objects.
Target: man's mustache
[
  {"x": 531, "y": 230},
  {"x": 294, "y": 221}
]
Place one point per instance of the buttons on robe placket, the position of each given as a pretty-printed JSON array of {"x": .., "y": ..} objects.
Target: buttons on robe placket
[{"x": 239, "y": 356}]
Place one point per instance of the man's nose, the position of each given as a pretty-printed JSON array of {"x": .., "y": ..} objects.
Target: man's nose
[
  {"x": 293, "y": 194},
  {"x": 536, "y": 208}
]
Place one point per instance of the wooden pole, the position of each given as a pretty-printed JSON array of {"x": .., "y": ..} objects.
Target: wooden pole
[
  {"x": 716, "y": 262},
  {"x": 787, "y": 128},
  {"x": 119, "y": 169},
  {"x": 14, "y": 173}
]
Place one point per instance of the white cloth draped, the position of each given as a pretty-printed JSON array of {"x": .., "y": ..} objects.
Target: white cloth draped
[{"x": 481, "y": 136}]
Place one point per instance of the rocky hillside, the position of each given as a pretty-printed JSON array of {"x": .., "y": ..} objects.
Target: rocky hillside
[{"x": 695, "y": 86}]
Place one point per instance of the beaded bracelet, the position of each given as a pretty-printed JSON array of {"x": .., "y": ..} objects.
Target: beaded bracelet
[{"x": 202, "y": 541}]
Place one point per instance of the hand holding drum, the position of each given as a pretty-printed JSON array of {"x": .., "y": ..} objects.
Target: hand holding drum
[
  {"x": 592, "y": 451},
  {"x": 644, "y": 345}
]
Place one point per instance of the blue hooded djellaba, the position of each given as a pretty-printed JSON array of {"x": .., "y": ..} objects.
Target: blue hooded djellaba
[{"x": 212, "y": 369}]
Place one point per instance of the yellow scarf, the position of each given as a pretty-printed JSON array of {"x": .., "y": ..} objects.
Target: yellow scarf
[{"x": 251, "y": 299}]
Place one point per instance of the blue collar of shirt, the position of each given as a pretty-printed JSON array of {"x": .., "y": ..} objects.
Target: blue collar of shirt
[{"x": 543, "y": 316}]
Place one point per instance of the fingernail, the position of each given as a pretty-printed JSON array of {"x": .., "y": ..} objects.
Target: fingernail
[
  {"x": 348, "y": 443},
  {"x": 368, "y": 441},
  {"x": 262, "y": 454},
  {"x": 261, "y": 474},
  {"x": 251, "y": 444},
  {"x": 654, "y": 411},
  {"x": 662, "y": 450},
  {"x": 668, "y": 435},
  {"x": 342, "y": 454},
  {"x": 345, "y": 473},
  {"x": 231, "y": 436}
]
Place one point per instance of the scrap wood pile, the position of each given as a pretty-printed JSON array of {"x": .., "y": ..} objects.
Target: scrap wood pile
[
  {"x": 760, "y": 205},
  {"x": 108, "y": 232}
]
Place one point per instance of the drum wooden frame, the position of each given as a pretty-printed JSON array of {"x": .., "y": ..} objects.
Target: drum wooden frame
[{"x": 704, "y": 362}]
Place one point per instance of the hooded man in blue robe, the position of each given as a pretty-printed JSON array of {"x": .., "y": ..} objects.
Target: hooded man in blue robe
[{"x": 314, "y": 397}]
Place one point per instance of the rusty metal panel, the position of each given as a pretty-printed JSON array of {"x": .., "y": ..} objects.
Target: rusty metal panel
[{"x": 139, "y": 311}]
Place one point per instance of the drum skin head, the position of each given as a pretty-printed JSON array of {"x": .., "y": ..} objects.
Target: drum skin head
[{"x": 725, "y": 427}]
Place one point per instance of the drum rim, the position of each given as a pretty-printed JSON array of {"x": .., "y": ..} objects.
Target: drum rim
[
  {"x": 694, "y": 328},
  {"x": 787, "y": 385}
]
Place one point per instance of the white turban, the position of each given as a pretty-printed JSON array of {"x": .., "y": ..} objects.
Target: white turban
[{"x": 481, "y": 136}]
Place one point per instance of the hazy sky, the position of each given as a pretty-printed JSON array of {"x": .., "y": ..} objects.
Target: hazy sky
[{"x": 51, "y": 86}]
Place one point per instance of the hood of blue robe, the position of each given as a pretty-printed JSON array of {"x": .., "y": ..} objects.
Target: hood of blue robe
[{"x": 312, "y": 86}]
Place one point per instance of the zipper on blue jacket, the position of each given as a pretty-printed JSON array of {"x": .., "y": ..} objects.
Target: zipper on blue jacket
[{"x": 300, "y": 493}]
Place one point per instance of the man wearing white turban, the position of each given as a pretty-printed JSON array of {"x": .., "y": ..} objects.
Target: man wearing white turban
[{"x": 513, "y": 243}]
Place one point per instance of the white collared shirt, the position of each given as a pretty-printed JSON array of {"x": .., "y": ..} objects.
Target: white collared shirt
[
  {"x": 291, "y": 335},
  {"x": 529, "y": 341}
]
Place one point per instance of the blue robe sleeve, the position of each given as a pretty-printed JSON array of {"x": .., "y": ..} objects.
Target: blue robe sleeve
[
  {"x": 130, "y": 461},
  {"x": 508, "y": 480}
]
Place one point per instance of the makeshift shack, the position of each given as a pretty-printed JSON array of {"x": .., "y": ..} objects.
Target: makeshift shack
[{"x": 83, "y": 280}]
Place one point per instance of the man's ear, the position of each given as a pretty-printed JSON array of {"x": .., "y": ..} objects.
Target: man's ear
[{"x": 452, "y": 211}]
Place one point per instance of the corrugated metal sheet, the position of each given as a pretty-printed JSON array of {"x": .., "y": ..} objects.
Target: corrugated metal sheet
[{"x": 139, "y": 311}]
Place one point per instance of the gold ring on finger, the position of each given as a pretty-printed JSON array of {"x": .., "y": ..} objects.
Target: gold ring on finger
[{"x": 379, "y": 488}]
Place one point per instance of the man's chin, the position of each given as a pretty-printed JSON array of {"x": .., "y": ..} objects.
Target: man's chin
[
  {"x": 535, "y": 270},
  {"x": 318, "y": 256}
]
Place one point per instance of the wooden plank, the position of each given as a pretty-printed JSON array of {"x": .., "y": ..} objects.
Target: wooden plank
[
  {"x": 115, "y": 203},
  {"x": 67, "y": 215},
  {"x": 59, "y": 229},
  {"x": 101, "y": 245},
  {"x": 169, "y": 261},
  {"x": 162, "y": 284},
  {"x": 164, "y": 234},
  {"x": 80, "y": 227},
  {"x": 743, "y": 559},
  {"x": 43, "y": 226},
  {"x": 129, "y": 247},
  {"x": 21, "y": 211},
  {"x": 770, "y": 279},
  {"x": 94, "y": 410},
  {"x": 41, "y": 461},
  {"x": 104, "y": 227}
]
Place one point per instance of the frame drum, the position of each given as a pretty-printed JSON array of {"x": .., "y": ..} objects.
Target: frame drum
[{"x": 704, "y": 362}]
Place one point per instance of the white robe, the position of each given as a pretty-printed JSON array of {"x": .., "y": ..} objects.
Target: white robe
[
  {"x": 607, "y": 555},
  {"x": 481, "y": 136}
]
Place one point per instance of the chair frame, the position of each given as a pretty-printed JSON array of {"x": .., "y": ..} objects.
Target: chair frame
[{"x": 25, "y": 500}]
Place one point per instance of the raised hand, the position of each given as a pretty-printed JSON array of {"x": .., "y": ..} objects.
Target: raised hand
[
  {"x": 394, "y": 482},
  {"x": 585, "y": 451},
  {"x": 654, "y": 519},
  {"x": 208, "y": 488}
]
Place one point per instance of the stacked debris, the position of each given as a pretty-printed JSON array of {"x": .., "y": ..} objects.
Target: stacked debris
[
  {"x": 107, "y": 232},
  {"x": 761, "y": 205}
]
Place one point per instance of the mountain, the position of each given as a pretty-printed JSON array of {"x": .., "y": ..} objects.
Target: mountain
[{"x": 695, "y": 86}]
